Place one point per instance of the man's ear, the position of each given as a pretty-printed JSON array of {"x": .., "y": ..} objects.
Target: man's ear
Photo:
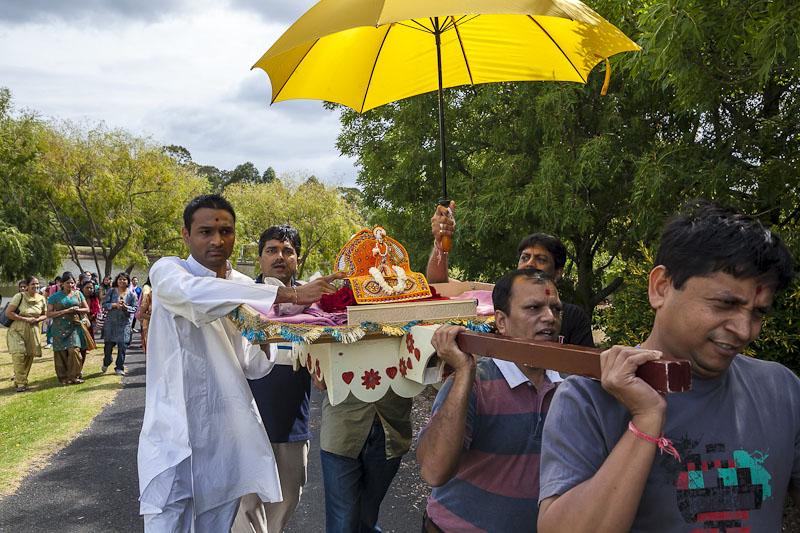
[
  {"x": 500, "y": 319},
  {"x": 185, "y": 235},
  {"x": 659, "y": 284}
]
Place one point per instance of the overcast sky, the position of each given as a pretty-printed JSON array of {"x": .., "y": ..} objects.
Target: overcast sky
[{"x": 177, "y": 71}]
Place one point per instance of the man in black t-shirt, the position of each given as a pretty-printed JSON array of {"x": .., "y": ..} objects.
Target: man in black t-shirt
[
  {"x": 282, "y": 397},
  {"x": 537, "y": 250}
]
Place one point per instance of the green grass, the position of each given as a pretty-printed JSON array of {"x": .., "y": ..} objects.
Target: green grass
[{"x": 36, "y": 424}]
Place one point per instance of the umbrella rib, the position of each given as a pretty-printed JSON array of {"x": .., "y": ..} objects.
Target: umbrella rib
[
  {"x": 294, "y": 69},
  {"x": 421, "y": 25},
  {"x": 374, "y": 64},
  {"x": 421, "y": 28},
  {"x": 559, "y": 48},
  {"x": 463, "y": 53},
  {"x": 469, "y": 18}
]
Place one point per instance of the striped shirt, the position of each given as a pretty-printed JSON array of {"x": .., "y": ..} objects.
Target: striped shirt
[{"x": 496, "y": 487}]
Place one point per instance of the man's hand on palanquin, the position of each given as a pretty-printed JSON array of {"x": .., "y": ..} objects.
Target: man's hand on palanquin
[
  {"x": 310, "y": 292},
  {"x": 444, "y": 342}
]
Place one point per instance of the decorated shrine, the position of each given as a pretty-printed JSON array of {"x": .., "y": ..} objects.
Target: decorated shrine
[{"x": 374, "y": 333}]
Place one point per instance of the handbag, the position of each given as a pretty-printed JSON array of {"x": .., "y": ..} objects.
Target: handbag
[
  {"x": 6, "y": 320},
  {"x": 87, "y": 336}
]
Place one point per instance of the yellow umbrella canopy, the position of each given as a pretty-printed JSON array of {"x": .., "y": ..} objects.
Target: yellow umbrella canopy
[{"x": 366, "y": 53}]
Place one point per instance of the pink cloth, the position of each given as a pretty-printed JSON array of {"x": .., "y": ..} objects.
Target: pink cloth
[
  {"x": 485, "y": 306},
  {"x": 315, "y": 316}
]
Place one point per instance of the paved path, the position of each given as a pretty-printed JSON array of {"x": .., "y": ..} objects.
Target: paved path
[{"x": 91, "y": 485}]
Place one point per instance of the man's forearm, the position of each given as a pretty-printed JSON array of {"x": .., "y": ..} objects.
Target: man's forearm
[
  {"x": 620, "y": 480},
  {"x": 437, "y": 267},
  {"x": 439, "y": 449},
  {"x": 286, "y": 295}
]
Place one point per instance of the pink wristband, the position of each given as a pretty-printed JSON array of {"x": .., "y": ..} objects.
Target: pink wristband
[{"x": 663, "y": 443}]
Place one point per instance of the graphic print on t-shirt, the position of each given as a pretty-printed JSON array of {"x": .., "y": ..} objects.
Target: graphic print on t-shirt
[{"x": 717, "y": 490}]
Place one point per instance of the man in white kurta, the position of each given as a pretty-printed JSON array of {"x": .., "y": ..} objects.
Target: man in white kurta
[
  {"x": 202, "y": 444},
  {"x": 200, "y": 418}
]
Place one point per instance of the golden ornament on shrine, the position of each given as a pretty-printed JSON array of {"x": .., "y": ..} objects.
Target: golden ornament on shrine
[{"x": 379, "y": 270}]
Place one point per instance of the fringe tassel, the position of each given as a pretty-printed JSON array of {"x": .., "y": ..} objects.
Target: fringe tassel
[
  {"x": 347, "y": 335},
  {"x": 607, "y": 81},
  {"x": 391, "y": 330}
]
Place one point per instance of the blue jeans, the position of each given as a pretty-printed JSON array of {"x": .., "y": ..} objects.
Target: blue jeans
[
  {"x": 108, "y": 347},
  {"x": 354, "y": 488}
]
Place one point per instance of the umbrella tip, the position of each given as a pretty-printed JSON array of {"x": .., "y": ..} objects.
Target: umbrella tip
[{"x": 607, "y": 79}]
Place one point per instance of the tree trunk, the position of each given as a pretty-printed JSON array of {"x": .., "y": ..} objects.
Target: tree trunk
[{"x": 583, "y": 289}]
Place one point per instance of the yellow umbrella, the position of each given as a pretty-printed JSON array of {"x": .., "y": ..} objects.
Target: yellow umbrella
[{"x": 366, "y": 53}]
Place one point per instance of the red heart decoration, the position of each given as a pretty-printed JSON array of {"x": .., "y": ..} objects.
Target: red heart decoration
[
  {"x": 308, "y": 362},
  {"x": 391, "y": 372},
  {"x": 408, "y": 363},
  {"x": 347, "y": 377},
  {"x": 416, "y": 353}
]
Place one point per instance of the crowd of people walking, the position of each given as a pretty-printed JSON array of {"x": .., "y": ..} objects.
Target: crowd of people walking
[{"x": 71, "y": 313}]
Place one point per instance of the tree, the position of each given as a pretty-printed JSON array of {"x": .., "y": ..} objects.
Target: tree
[
  {"x": 115, "y": 193},
  {"x": 181, "y": 155},
  {"x": 319, "y": 212},
  {"x": 269, "y": 175},
  {"x": 244, "y": 173},
  {"x": 26, "y": 237}
]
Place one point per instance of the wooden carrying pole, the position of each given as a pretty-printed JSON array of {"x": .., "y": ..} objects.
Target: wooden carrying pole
[{"x": 665, "y": 376}]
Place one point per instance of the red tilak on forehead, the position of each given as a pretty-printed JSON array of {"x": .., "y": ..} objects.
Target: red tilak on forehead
[
  {"x": 547, "y": 292},
  {"x": 759, "y": 289}
]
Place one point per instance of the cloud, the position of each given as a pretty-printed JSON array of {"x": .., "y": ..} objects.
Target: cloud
[
  {"x": 96, "y": 11},
  {"x": 280, "y": 11},
  {"x": 291, "y": 137}
]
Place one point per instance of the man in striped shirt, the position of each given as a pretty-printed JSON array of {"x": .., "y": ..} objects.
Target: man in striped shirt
[{"x": 480, "y": 450}]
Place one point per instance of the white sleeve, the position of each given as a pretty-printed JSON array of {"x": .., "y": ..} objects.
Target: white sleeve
[
  {"x": 255, "y": 362},
  {"x": 202, "y": 299}
]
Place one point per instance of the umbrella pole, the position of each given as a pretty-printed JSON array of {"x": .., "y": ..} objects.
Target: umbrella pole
[{"x": 442, "y": 148}]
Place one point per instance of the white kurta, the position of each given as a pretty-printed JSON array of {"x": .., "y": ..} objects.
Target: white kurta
[{"x": 198, "y": 404}]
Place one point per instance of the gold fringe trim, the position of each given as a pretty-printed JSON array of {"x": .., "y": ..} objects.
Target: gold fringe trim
[{"x": 259, "y": 330}]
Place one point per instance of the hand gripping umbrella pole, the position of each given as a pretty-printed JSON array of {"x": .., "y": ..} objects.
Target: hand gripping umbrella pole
[{"x": 665, "y": 376}]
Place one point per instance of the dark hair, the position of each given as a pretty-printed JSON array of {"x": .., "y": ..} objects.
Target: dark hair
[
  {"x": 551, "y": 244},
  {"x": 706, "y": 238},
  {"x": 210, "y": 201},
  {"x": 121, "y": 275},
  {"x": 501, "y": 294},
  {"x": 87, "y": 282},
  {"x": 64, "y": 277},
  {"x": 281, "y": 233}
]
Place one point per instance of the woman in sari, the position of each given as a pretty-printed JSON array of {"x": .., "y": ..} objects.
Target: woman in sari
[
  {"x": 120, "y": 304},
  {"x": 28, "y": 309},
  {"x": 66, "y": 307}
]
